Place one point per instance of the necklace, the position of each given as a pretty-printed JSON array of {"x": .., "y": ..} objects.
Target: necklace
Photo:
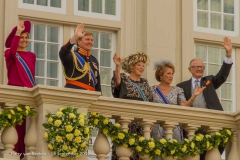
[{"x": 163, "y": 88}]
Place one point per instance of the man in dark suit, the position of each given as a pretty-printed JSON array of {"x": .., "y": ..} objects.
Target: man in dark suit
[{"x": 208, "y": 99}]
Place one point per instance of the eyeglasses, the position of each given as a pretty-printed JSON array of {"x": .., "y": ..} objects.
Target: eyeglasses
[{"x": 198, "y": 67}]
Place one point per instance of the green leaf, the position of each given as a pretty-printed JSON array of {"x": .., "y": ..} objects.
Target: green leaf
[{"x": 46, "y": 125}]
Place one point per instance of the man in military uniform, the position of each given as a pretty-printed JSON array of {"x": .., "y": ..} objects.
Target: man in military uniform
[{"x": 80, "y": 68}]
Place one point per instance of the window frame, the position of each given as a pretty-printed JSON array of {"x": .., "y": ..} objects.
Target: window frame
[
  {"x": 234, "y": 33},
  {"x": 61, "y": 10},
  {"x": 90, "y": 14},
  {"x": 233, "y": 70},
  {"x": 60, "y": 42}
]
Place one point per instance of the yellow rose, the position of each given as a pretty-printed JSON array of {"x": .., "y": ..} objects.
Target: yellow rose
[
  {"x": 226, "y": 140},
  {"x": 83, "y": 144},
  {"x": 45, "y": 135},
  {"x": 27, "y": 112},
  {"x": 121, "y": 135},
  {"x": 105, "y": 131},
  {"x": 81, "y": 116},
  {"x": 112, "y": 138},
  {"x": 201, "y": 135},
  {"x": 50, "y": 120},
  {"x": 65, "y": 147},
  {"x": 59, "y": 114},
  {"x": 76, "y": 132},
  {"x": 9, "y": 116},
  {"x": 77, "y": 139},
  {"x": 27, "y": 108},
  {"x": 207, "y": 144},
  {"x": 94, "y": 113},
  {"x": 60, "y": 109},
  {"x": 141, "y": 139},
  {"x": 69, "y": 136},
  {"x": 175, "y": 157},
  {"x": 69, "y": 128},
  {"x": 210, "y": 148},
  {"x": 117, "y": 125},
  {"x": 174, "y": 140},
  {"x": 96, "y": 121},
  {"x": 229, "y": 132},
  {"x": 13, "y": 113},
  {"x": 105, "y": 121},
  {"x": 57, "y": 123},
  {"x": 87, "y": 138},
  {"x": 74, "y": 150},
  {"x": 139, "y": 149},
  {"x": 14, "y": 120},
  {"x": 184, "y": 148},
  {"x": 86, "y": 130},
  {"x": 157, "y": 152},
  {"x": 146, "y": 151},
  {"x": 81, "y": 122},
  {"x": 0, "y": 112},
  {"x": 50, "y": 146},
  {"x": 125, "y": 145},
  {"x": 59, "y": 139},
  {"x": 131, "y": 141},
  {"x": 72, "y": 116},
  {"x": 172, "y": 152},
  {"x": 186, "y": 140},
  {"x": 151, "y": 145},
  {"x": 208, "y": 136},
  {"x": 198, "y": 138},
  {"x": 192, "y": 145},
  {"x": 217, "y": 134},
  {"x": 19, "y": 109},
  {"x": 125, "y": 130},
  {"x": 163, "y": 141}
]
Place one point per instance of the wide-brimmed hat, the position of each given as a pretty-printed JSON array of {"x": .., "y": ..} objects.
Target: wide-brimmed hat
[{"x": 9, "y": 39}]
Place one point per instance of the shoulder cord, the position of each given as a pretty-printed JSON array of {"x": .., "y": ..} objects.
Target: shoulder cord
[{"x": 85, "y": 69}]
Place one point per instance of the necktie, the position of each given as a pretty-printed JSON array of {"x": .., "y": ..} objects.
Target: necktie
[{"x": 196, "y": 85}]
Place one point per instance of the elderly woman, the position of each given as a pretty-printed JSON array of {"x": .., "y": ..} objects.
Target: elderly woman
[
  {"x": 167, "y": 94},
  {"x": 131, "y": 86},
  {"x": 20, "y": 68}
]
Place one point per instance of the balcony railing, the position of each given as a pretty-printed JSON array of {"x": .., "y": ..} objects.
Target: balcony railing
[{"x": 46, "y": 98}]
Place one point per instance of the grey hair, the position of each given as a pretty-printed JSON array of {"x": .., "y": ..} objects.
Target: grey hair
[{"x": 161, "y": 62}]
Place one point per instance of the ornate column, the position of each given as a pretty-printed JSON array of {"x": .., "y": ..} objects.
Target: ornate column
[
  {"x": 191, "y": 133},
  {"x": 233, "y": 154},
  {"x": 169, "y": 133},
  {"x": 122, "y": 152},
  {"x": 213, "y": 153},
  {"x": 101, "y": 146},
  {"x": 147, "y": 134}
]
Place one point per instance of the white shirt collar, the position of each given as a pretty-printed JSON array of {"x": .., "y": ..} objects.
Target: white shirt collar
[{"x": 193, "y": 81}]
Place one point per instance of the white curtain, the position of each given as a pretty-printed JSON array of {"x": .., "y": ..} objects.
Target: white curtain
[
  {"x": 42, "y": 2},
  {"x": 55, "y": 3},
  {"x": 110, "y": 7},
  {"x": 83, "y": 5},
  {"x": 97, "y": 6}
]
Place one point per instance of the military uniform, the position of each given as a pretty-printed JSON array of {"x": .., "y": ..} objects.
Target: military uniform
[{"x": 80, "y": 68}]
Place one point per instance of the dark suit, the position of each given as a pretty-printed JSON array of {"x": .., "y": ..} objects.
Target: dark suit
[{"x": 209, "y": 92}]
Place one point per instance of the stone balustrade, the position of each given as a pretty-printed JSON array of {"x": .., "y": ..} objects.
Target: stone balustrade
[{"x": 48, "y": 99}]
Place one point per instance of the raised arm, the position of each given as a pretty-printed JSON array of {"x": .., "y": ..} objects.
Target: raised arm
[
  {"x": 118, "y": 61},
  {"x": 64, "y": 53}
]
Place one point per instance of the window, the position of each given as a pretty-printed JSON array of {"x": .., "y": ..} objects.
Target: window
[
  {"x": 104, "y": 9},
  {"x": 103, "y": 49},
  {"x": 56, "y": 6},
  {"x": 216, "y": 16},
  {"x": 45, "y": 41},
  {"x": 213, "y": 57}
]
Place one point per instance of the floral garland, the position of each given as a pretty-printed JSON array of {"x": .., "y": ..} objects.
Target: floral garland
[
  {"x": 67, "y": 132},
  {"x": 163, "y": 147},
  {"x": 14, "y": 116},
  {"x": 68, "y": 122}
]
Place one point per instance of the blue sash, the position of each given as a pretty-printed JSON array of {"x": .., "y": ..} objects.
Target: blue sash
[
  {"x": 26, "y": 68},
  {"x": 161, "y": 95},
  {"x": 139, "y": 89},
  {"x": 82, "y": 63}
]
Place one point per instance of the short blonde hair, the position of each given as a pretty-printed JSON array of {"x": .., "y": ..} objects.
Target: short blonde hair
[
  {"x": 161, "y": 67},
  {"x": 129, "y": 62},
  {"x": 87, "y": 33}
]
